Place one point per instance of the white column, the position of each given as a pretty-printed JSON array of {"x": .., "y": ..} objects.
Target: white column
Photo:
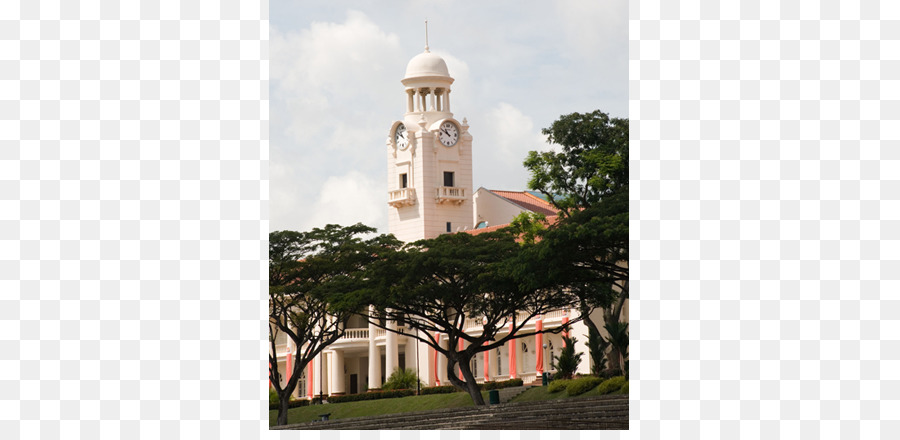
[
  {"x": 409, "y": 100},
  {"x": 422, "y": 99},
  {"x": 447, "y": 100},
  {"x": 442, "y": 364},
  {"x": 317, "y": 376},
  {"x": 337, "y": 372},
  {"x": 391, "y": 355},
  {"x": 374, "y": 359},
  {"x": 432, "y": 103}
]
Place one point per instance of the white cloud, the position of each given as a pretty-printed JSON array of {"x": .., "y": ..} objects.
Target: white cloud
[
  {"x": 335, "y": 89},
  {"x": 508, "y": 136},
  {"x": 349, "y": 199},
  {"x": 333, "y": 71}
]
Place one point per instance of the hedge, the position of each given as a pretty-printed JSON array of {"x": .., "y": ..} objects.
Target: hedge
[
  {"x": 558, "y": 385},
  {"x": 582, "y": 385},
  {"x": 624, "y": 389},
  {"x": 291, "y": 404},
  {"x": 610, "y": 385},
  {"x": 371, "y": 396},
  {"x": 611, "y": 373},
  {"x": 502, "y": 384},
  {"x": 444, "y": 389}
]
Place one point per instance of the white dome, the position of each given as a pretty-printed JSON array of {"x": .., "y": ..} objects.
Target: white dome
[{"x": 426, "y": 64}]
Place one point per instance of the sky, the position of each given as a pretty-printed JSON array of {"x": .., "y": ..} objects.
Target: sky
[{"x": 334, "y": 90}]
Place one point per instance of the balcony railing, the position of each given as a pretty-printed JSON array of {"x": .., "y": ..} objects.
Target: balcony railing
[
  {"x": 555, "y": 314},
  {"x": 402, "y": 197},
  {"x": 356, "y": 333},
  {"x": 450, "y": 194}
]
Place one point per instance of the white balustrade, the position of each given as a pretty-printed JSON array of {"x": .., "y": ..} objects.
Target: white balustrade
[
  {"x": 402, "y": 197},
  {"x": 450, "y": 194}
]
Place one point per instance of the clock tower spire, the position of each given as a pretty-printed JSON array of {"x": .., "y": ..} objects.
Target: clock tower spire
[{"x": 429, "y": 156}]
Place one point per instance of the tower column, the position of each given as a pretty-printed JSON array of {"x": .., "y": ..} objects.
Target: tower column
[
  {"x": 374, "y": 352},
  {"x": 439, "y": 93},
  {"x": 447, "y": 101},
  {"x": 432, "y": 108},
  {"x": 409, "y": 100}
]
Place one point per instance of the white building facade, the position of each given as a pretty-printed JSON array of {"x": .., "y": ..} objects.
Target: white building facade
[{"x": 430, "y": 192}]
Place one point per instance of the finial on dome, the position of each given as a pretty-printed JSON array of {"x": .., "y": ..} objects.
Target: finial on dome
[{"x": 426, "y": 36}]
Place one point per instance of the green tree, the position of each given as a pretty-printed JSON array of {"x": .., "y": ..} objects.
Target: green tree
[
  {"x": 586, "y": 249},
  {"x": 597, "y": 349},
  {"x": 618, "y": 339},
  {"x": 436, "y": 285},
  {"x": 402, "y": 379},
  {"x": 312, "y": 279},
  {"x": 567, "y": 362}
]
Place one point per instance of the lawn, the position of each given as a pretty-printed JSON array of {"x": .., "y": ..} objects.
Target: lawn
[
  {"x": 377, "y": 407},
  {"x": 411, "y": 404}
]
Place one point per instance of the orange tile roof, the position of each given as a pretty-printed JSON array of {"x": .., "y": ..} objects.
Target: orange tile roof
[
  {"x": 527, "y": 201},
  {"x": 551, "y": 219}
]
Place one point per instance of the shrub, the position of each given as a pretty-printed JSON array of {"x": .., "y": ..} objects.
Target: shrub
[
  {"x": 597, "y": 348},
  {"x": 371, "y": 396},
  {"x": 273, "y": 397},
  {"x": 502, "y": 384},
  {"x": 611, "y": 373},
  {"x": 567, "y": 362},
  {"x": 610, "y": 385},
  {"x": 445, "y": 389},
  {"x": 558, "y": 385},
  {"x": 582, "y": 385},
  {"x": 624, "y": 389},
  {"x": 402, "y": 379},
  {"x": 291, "y": 404}
]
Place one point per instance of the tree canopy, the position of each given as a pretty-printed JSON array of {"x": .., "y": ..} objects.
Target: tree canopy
[
  {"x": 435, "y": 285},
  {"x": 314, "y": 280},
  {"x": 587, "y": 180}
]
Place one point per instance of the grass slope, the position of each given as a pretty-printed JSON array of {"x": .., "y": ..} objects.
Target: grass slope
[
  {"x": 377, "y": 407},
  {"x": 538, "y": 394},
  {"x": 412, "y": 404}
]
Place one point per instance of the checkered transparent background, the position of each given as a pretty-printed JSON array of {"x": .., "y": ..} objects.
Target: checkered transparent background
[{"x": 133, "y": 218}]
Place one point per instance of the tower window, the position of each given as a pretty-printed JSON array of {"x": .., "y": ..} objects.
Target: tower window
[
  {"x": 448, "y": 226},
  {"x": 448, "y": 178},
  {"x": 403, "y": 181}
]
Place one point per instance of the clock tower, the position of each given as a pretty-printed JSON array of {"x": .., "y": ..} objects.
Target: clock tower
[{"x": 429, "y": 157}]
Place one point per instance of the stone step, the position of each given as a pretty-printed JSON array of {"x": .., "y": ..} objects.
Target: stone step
[{"x": 607, "y": 412}]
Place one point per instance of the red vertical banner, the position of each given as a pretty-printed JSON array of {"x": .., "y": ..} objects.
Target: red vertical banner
[
  {"x": 487, "y": 363},
  {"x": 309, "y": 378},
  {"x": 512, "y": 354},
  {"x": 290, "y": 367},
  {"x": 437, "y": 377},
  {"x": 539, "y": 344},
  {"x": 459, "y": 349},
  {"x": 565, "y": 320}
]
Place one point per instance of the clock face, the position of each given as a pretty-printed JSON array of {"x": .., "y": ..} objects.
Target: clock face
[
  {"x": 448, "y": 134},
  {"x": 401, "y": 137}
]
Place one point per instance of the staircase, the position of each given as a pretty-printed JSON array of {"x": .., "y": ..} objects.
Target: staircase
[
  {"x": 589, "y": 413},
  {"x": 507, "y": 394}
]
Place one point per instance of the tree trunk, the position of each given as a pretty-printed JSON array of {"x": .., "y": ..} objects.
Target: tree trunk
[
  {"x": 611, "y": 316},
  {"x": 284, "y": 398},
  {"x": 470, "y": 384}
]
